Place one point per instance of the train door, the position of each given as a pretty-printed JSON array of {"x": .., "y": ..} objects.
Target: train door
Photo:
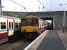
[{"x": 11, "y": 27}]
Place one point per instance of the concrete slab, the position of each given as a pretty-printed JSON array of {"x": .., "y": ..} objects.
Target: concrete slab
[
  {"x": 52, "y": 42},
  {"x": 63, "y": 37}
]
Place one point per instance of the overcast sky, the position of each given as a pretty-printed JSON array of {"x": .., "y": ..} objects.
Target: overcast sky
[{"x": 34, "y": 5}]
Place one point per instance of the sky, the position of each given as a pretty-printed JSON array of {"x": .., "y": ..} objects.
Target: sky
[
  {"x": 31, "y": 5},
  {"x": 34, "y": 5},
  {"x": 54, "y": 5}
]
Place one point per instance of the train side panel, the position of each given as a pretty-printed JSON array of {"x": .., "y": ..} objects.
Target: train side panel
[{"x": 3, "y": 28}]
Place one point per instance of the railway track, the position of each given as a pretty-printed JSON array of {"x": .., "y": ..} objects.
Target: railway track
[{"x": 18, "y": 44}]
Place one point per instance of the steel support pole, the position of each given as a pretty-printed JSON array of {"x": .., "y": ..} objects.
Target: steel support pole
[
  {"x": 0, "y": 8},
  {"x": 43, "y": 10},
  {"x": 64, "y": 18}
]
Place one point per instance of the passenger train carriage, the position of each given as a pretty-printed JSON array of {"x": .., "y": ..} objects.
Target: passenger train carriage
[
  {"x": 32, "y": 26},
  {"x": 29, "y": 27},
  {"x": 7, "y": 27}
]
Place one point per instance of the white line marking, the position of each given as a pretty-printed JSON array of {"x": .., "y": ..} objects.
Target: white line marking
[{"x": 35, "y": 40}]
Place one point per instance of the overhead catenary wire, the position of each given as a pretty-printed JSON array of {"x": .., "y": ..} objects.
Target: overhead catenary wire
[{"x": 20, "y": 5}]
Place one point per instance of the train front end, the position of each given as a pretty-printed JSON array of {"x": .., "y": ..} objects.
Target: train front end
[{"x": 29, "y": 27}]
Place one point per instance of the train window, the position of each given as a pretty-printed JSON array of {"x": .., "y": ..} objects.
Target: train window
[
  {"x": 16, "y": 25},
  {"x": 3, "y": 25},
  {"x": 33, "y": 21},
  {"x": 29, "y": 22},
  {"x": 11, "y": 25},
  {"x": 24, "y": 22},
  {"x": 19, "y": 24}
]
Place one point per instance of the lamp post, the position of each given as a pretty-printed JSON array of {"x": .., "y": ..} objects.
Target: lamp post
[
  {"x": 64, "y": 18},
  {"x": 64, "y": 14},
  {"x": 43, "y": 10},
  {"x": 0, "y": 8}
]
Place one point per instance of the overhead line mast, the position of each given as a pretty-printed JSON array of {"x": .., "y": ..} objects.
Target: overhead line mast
[{"x": 0, "y": 8}]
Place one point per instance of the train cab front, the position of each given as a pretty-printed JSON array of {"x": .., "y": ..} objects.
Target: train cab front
[{"x": 29, "y": 31}]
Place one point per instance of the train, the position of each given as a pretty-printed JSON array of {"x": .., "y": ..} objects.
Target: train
[
  {"x": 33, "y": 26},
  {"x": 27, "y": 27},
  {"x": 7, "y": 27}
]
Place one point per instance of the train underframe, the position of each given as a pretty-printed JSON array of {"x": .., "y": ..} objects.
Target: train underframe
[
  {"x": 30, "y": 35},
  {"x": 27, "y": 35}
]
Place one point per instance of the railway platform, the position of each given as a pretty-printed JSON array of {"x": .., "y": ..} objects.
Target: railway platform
[
  {"x": 63, "y": 37},
  {"x": 50, "y": 40}
]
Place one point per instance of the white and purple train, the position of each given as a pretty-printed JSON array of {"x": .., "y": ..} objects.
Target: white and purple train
[{"x": 7, "y": 27}]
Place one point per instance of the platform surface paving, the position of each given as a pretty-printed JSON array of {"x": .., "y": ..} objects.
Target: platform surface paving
[{"x": 51, "y": 42}]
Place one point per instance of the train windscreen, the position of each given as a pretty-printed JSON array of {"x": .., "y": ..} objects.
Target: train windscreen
[{"x": 30, "y": 22}]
